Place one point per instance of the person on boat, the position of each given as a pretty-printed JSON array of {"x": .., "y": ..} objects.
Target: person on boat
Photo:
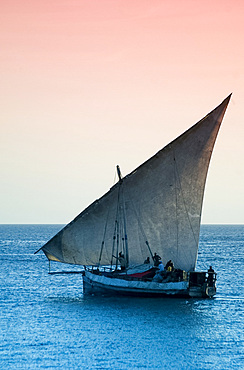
[
  {"x": 156, "y": 259},
  {"x": 210, "y": 279},
  {"x": 147, "y": 260},
  {"x": 169, "y": 266},
  {"x": 161, "y": 266},
  {"x": 210, "y": 270},
  {"x": 122, "y": 261},
  {"x": 160, "y": 273}
]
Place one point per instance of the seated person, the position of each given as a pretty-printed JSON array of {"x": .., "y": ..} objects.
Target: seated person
[
  {"x": 169, "y": 266},
  {"x": 161, "y": 266},
  {"x": 147, "y": 260}
]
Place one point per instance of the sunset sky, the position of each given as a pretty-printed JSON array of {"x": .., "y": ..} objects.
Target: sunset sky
[{"x": 87, "y": 85}]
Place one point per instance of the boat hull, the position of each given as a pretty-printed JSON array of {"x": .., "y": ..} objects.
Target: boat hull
[
  {"x": 97, "y": 284},
  {"x": 100, "y": 284}
]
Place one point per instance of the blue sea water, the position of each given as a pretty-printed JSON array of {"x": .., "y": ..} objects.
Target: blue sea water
[{"x": 46, "y": 322}]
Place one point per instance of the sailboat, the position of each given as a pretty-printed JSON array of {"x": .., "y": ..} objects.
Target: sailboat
[{"x": 141, "y": 238}]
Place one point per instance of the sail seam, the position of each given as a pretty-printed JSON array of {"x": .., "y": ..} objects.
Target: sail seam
[
  {"x": 176, "y": 208},
  {"x": 140, "y": 226},
  {"x": 181, "y": 190}
]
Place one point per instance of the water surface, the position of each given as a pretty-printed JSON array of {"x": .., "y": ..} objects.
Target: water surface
[{"x": 46, "y": 322}]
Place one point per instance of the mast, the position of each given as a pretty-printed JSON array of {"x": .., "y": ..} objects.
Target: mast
[
  {"x": 119, "y": 173},
  {"x": 124, "y": 217}
]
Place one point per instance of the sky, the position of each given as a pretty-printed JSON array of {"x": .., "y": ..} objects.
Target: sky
[{"x": 87, "y": 85}]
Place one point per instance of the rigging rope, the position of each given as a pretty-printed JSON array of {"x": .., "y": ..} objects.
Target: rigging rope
[
  {"x": 125, "y": 232},
  {"x": 104, "y": 234},
  {"x": 116, "y": 231}
]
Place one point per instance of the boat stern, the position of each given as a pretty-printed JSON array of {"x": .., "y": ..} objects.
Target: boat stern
[{"x": 202, "y": 284}]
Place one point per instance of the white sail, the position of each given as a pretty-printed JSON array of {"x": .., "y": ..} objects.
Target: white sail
[{"x": 161, "y": 200}]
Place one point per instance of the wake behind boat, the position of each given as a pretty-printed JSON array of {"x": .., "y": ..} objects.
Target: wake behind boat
[{"x": 142, "y": 236}]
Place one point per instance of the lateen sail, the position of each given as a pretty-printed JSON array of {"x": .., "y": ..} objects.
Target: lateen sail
[{"x": 163, "y": 197}]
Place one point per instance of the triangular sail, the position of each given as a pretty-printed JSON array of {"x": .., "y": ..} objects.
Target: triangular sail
[{"x": 163, "y": 197}]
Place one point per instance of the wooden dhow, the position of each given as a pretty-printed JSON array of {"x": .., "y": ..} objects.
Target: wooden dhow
[{"x": 153, "y": 211}]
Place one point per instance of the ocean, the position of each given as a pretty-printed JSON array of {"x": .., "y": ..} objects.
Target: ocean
[{"x": 46, "y": 322}]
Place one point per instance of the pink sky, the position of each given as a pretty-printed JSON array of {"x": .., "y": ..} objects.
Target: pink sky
[{"x": 86, "y": 85}]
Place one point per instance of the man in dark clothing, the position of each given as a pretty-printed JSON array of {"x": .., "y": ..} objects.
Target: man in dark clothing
[
  {"x": 156, "y": 259},
  {"x": 210, "y": 276},
  {"x": 169, "y": 266}
]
